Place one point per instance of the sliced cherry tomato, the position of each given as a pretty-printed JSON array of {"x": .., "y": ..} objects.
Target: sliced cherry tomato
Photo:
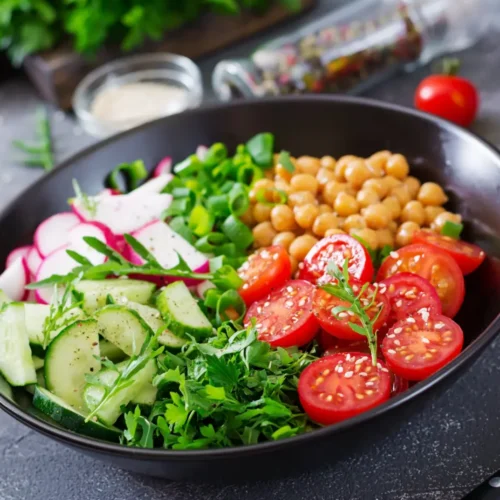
[
  {"x": 407, "y": 293},
  {"x": 343, "y": 385},
  {"x": 284, "y": 318},
  {"x": 338, "y": 325},
  {"x": 399, "y": 385},
  {"x": 468, "y": 256},
  {"x": 264, "y": 271},
  {"x": 432, "y": 264},
  {"x": 451, "y": 97},
  {"x": 336, "y": 345},
  {"x": 421, "y": 344},
  {"x": 338, "y": 248}
]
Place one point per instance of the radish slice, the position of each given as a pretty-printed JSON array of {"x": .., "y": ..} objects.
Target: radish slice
[
  {"x": 33, "y": 260},
  {"x": 14, "y": 279},
  {"x": 203, "y": 287},
  {"x": 163, "y": 243},
  {"x": 95, "y": 229},
  {"x": 164, "y": 167},
  {"x": 201, "y": 152},
  {"x": 52, "y": 233},
  {"x": 125, "y": 213},
  {"x": 108, "y": 192},
  {"x": 20, "y": 252},
  {"x": 155, "y": 185}
]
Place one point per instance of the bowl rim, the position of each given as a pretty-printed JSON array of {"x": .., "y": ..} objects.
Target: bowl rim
[{"x": 89, "y": 444}]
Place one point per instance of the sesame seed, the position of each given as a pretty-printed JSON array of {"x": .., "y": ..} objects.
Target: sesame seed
[
  {"x": 289, "y": 303},
  {"x": 439, "y": 325},
  {"x": 302, "y": 301},
  {"x": 391, "y": 336},
  {"x": 385, "y": 370},
  {"x": 369, "y": 384},
  {"x": 275, "y": 256},
  {"x": 398, "y": 330},
  {"x": 258, "y": 325},
  {"x": 363, "y": 374},
  {"x": 259, "y": 309},
  {"x": 348, "y": 374},
  {"x": 397, "y": 342},
  {"x": 339, "y": 369},
  {"x": 391, "y": 351},
  {"x": 329, "y": 397},
  {"x": 358, "y": 361},
  {"x": 399, "y": 303},
  {"x": 417, "y": 258},
  {"x": 426, "y": 340},
  {"x": 399, "y": 262},
  {"x": 348, "y": 357},
  {"x": 410, "y": 320},
  {"x": 394, "y": 255},
  {"x": 342, "y": 314},
  {"x": 266, "y": 304},
  {"x": 289, "y": 289}
]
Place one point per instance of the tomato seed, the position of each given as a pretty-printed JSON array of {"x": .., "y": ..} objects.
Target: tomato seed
[
  {"x": 409, "y": 357},
  {"x": 329, "y": 397},
  {"x": 320, "y": 380},
  {"x": 360, "y": 396},
  {"x": 369, "y": 392}
]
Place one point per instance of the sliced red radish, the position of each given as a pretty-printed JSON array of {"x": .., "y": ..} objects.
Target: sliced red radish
[
  {"x": 95, "y": 229},
  {"x": 108, "y": 192},
  {"x": 203, "y": 287},
  {"x": 201, "y": 152},
  {"x": 20, "y": 252},
  {"x": 52, "y": 233},
  {"x": 14, "y": 279},
  {"x": 155, "y": 185},
  {"x": 124, "y": 213},
  {"x": 163, "y": 243},
  {"x": 34, "y": 259},
  {"x": 164, "y": 167}
]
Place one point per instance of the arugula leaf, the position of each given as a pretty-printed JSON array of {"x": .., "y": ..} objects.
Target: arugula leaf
[{"x": 220, "y": 373}]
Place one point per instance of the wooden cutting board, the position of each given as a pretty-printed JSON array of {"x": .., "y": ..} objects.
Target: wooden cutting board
[{"x": 57, "y": 72}]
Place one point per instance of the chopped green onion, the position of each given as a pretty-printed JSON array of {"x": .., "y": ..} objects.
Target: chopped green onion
[
  {"x": 261, "y": 148},
  {"x": 175, "y": 183},
  {"x": 223, "y": 170},
  {"x": 230, "y": 300},
  {"x": 212, "y": 296},
  {"x": 126, "y": 176},
  {"x": 209, "y": 242},
  {"x": 227, "y": 278},
  {"x": 200, "y": 221},
  {"x": 218, "y": 205},
  {"x": 262, "y": 196},
  {"x": 452, "y": 229},
  {"x": 181, "y": 206},
  {"x": 238, "y": 200},
  {"x": 237, "y": 232},
  {"x": 227, "y": 249},
  {"x": 215, "y": 155},
  {"x": 249, "y": 173},
  {"x": 285, "y": 160},
  {"x": 178, "y": 224},
  {"x": 189, "y": 166},
  {"x": 226, "y": 187}
]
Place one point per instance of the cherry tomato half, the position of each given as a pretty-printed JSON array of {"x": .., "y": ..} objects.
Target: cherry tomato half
[
  {"x": 264, "y": 271},
  {"x": 418, "y": 346},
  {"x": 468, "y": 256},
  {"x": 343, "y": 385},
  {"x": 435, "y": 266},
  {"x": 338, "y": 325},
  {"x": 407, "y": 293},
  {"x": 284, "y": 318},
  {"x": 338, "y": 248},
  {"x": 450, "y": 97}
]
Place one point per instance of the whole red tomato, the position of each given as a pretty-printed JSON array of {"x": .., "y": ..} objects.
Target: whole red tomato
[{"x": 450, "y": 97}]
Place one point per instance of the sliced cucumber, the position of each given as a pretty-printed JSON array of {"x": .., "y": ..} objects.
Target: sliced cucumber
[
  {"x": 95, "y": 292},
  {"x": 4, "y": 298},
  {"x": 122, "y": 327},
  {"x": 6, "y": 389},
  {"x": 40, "y": 377},
  {"x": 70, "y": 356},
  {"x": 110, "y": 351},
  {"x": 38, "y": 362},
  {"x": 168, "y": 339},
  {"x": 16, "y": 363},
  {"x": 111, "y": 410},
  {"x": 182, "y": 312},
  {"x": 61, "y": 412}
]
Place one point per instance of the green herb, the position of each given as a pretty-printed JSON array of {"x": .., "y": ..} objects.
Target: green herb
[
  {"x": 87, "y": 202},
  {"x": 237, "y": 232},
  {"x": 344, "y": 291},
  {"x": 452, "y": 229},
  {"x": 377, "y": 255},
  {"x": 127, "y": 176},
  {"x": 40, "y": 155},
  {"x": 285, "y": 160},
  {"x": 261, "y": 149}
]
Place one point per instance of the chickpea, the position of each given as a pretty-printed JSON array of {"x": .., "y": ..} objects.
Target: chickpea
[
  {"x": 332, "y": 190},
  {"x": 269, "y": 174},
  {"x": 304, "y": 182},
  {"x": 384, "y": 237},
  {"x": 391, "y": 182},
  {"x": 377, "y": 185},
  {"x": 328, "y": 162},
  {"x": 377, "y": 216},
  {"x": 301, "y": 245},
  {"x": 308, "y": 165},
  {"x": 413, "y": 211},
  {"x": 431, "y": 193},
  {"x": 377, "y": 161},
  {"x": 367, "y": 235},
  {"x": 356, "y": 173},
  {"x": 282, "y": 172},
  {"x": 332, "y": 232},
  {"x": 341, "y": 166},
  {"x": 392, "y": 226},
  {"x": 431, "y": 213},
  {"x": 305, "y": 215},
  {"x": 282, "y": 185},
  {"x": 263, "y": 234},
  {"x": 261, "y": 212},
  {"x": 324, "y": 209},
  {"x": 367, "y": 197},
  {"x": 444, "y": 217},
  {"x": 263, "y": 184},
  {"x": 397, "y": 166},
  {"x": 247, "y": 218},
  {"x": 323, "y": 223},
  {"x": 284, "y": 239},
  {"x": 295, "y": 264},
  {"x": 405, "y": 233},
  {"x": 354, "y": 221},
  {"x": 301, "y": 198},
  {"x": 282, "y": 218},
  {"x": 392, "y": 203},
  {"x": 413, "y": 185},
  {"x": 324, "y": 176},
  {"x": 345, "y": 205},
  {"x": 401, "y": 193}
]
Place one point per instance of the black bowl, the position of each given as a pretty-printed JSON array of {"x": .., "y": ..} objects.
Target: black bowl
[{"x": 468, "y": 167}]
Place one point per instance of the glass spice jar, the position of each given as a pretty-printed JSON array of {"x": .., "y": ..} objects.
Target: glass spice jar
[{"x": 356, "y": 47}]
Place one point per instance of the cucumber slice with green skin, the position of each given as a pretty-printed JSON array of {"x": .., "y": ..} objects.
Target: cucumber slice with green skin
[
  {"x": 70, "y": 356},
  {"x": 40, "y": 377},
  {"x": 123, "y": 327},
  {"x": 110, "y": 412},
  {"x": 95, "y": 292},
  {"x": 38, "y": 362},
  {"x": 110, "y": 351},
  {"x": 182, "y": 312},
  {"x": 6, "y": 389},
  {"x": 61, "y": 412},
  {"x": 4, "y": 299},
  {"x": 16, "y": 364}
]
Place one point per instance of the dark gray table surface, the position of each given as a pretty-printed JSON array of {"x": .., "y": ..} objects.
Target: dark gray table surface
[{"x": 451, "y": 444}]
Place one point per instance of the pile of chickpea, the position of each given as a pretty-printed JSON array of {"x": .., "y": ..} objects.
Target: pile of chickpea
[{"x": 373, "y": 198}]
